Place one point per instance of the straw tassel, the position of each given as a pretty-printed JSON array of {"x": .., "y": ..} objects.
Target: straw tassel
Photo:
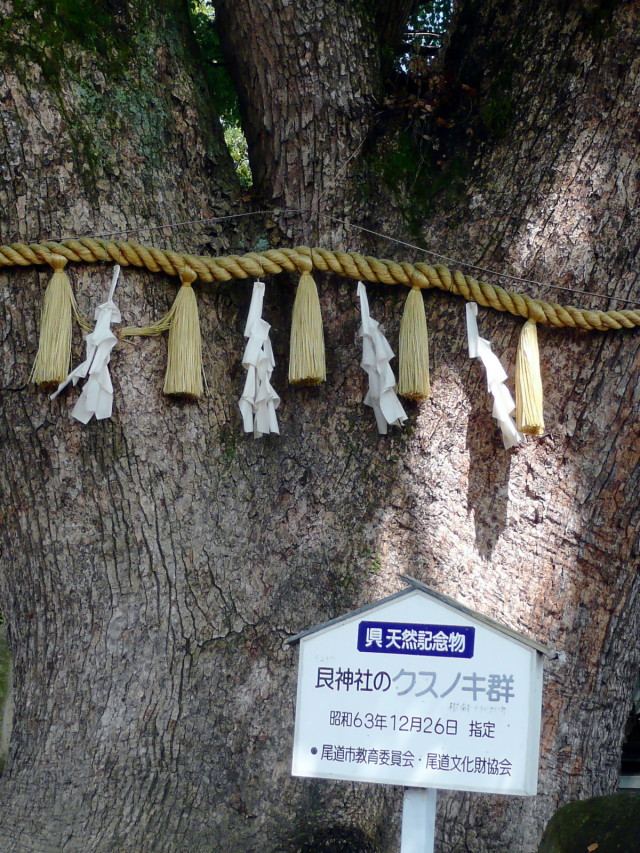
[
  {"x": 54, "y": 349},
  {"x": 529, "y": 404},
  {"x": 184, "y": 363},
  {"x": 306, "y": 359},
  {"x": 413, "y": 378}
]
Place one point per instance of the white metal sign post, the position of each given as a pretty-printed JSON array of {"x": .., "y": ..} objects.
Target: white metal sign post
[
  {"x": 418, "y": 820},
  {"x": 417, "y": 690}
]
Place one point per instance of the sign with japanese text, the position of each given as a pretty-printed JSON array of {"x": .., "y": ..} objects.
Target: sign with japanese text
[
  {"x": 402, "y": 638},
  {"x": 415, "y": 691}
]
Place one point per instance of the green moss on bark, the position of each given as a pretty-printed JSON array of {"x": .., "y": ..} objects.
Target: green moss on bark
[
  {"x": 411, "y": 168},
  {"x": 47, "y": 28},
  {"x": 103, "y": 62},
  {"x": 609, "y": 824}
]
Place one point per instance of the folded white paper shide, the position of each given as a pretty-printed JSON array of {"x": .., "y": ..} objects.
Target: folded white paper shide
[
  {"x": 97, "y": 394},
  {"x": 376, "y": 354},
  {"x": 259, "y": 401},
  {"x": 503, "y": 403}
]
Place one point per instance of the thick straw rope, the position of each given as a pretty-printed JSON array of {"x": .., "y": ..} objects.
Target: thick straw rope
[{"x": 304, "y": 259}]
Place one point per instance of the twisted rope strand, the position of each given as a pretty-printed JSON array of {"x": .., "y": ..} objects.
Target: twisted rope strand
[{"x": 304, "y": 259}]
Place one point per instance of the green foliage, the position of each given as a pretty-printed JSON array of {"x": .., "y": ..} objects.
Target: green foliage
[
  {"x": 427, "y": 125},
  {"x": 205, "y": 29},
  {"x": 237, "y": 145},
  {"x": 429, "y": 21},
  {"x": 434, "y": 16}
]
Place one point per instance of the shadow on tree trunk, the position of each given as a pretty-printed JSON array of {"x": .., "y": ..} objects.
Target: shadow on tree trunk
[{"x": 333, "y": 839}]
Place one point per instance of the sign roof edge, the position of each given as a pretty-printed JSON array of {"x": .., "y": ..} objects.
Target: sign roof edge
[{"x": 439, "y": 596}]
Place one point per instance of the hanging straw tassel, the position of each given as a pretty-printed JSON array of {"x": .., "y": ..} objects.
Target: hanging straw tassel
[
  {"x": 529, "y": 415},
  {"x": 306, "y": 359},
  {"x": 54, "y": 349},
  {"x": 184, "y": 363},
  {"x": 413, "y": 378}
]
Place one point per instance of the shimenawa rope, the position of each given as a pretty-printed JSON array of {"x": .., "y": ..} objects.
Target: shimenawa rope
[{"x": 304, "y": 259}]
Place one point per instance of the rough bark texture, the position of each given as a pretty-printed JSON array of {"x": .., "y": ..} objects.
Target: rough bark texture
[
  {"x": 153, "y": 564},
  {"x": 6, "y": 696},
  {"x": 550, "y": 540},
  {"x": 309, "y": 82},
  {"x": 308, "y": 77}
]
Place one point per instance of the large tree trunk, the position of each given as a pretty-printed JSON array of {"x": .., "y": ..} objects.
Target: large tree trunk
[
  {"x": 556, "y": 530},
  {"x": 154, "y": 563}
]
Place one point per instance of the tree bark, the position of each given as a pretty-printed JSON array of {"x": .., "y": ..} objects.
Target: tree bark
[
  {"x": 309, "y": 83},
  {"x": 155, "y": 563}
]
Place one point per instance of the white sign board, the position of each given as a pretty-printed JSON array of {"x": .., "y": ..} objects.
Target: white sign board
[{"x": 415, "y": 691}]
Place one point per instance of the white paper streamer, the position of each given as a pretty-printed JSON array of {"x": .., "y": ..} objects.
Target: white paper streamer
[
  {"x": 376, "y": 354},
  {"x": 97, "y": 393},
  {"x": 259, "y": 401},
  {"x": 503, "y": 403}
]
